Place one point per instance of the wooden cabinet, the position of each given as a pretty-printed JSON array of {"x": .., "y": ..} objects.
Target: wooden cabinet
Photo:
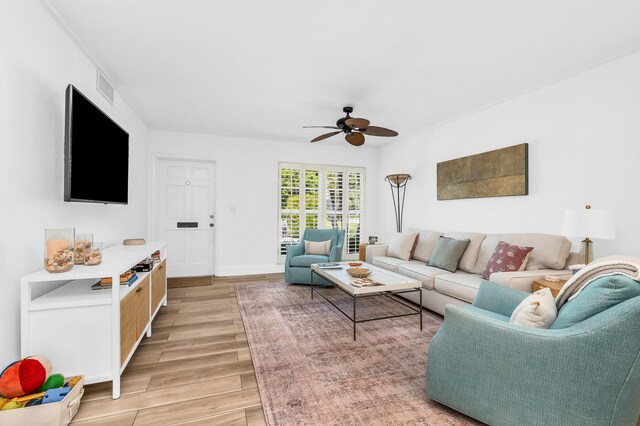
[
  {"x": 158, "y": 285},
  {"x": 60, "y": 310},
  {"x": 134, "y": 317}
]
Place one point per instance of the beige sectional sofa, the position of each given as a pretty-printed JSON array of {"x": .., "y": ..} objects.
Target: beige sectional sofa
[{"x": 550, "y": 256}]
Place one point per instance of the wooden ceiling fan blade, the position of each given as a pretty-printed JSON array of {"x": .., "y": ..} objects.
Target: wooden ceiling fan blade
[
  {"x": 379, "y": 131},
  {"x": 355, "y": 139},
  {"x": 320, "y": 127},
  {"x": 325, "y": 136},
  {"x": 360, "y": 123}
]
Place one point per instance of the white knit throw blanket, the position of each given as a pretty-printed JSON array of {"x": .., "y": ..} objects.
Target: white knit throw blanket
[{"x": 606, "y": 266}]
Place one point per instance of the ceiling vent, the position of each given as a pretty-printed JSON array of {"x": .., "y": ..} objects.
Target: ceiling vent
[{"x": 104, "y": 87}]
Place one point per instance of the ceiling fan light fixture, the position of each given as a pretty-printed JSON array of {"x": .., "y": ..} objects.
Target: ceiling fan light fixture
[{"x": 354, "y": 129}]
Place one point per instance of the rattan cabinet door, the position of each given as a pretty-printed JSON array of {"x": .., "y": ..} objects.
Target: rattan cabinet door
[
  {"x": 144, "y": 305},
  {"x": 128, "y": 324},
  {"x": 158, "y": 285}
]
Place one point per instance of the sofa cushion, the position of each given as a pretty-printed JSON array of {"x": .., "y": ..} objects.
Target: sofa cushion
[
  {"x": 419, "y": 271},
  {"x": 507, "y": 258},
  {"x": 307, "y": 259},
  {"x": 470, "y": 256},
  {"x": 387, "y": 262},
  {"x": 402, "y": 245},
  {"x": 599, "y": 295},
  {"x": 485, "y": 252},
  {"x": 461, "y": 285},
  {"x": 427, "y": 241},
  {"x": 549, "y": 251},
  {"x": 447, "y": 253}
]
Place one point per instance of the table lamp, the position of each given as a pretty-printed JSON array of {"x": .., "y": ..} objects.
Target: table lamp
[{"x": 588, "y": 223}]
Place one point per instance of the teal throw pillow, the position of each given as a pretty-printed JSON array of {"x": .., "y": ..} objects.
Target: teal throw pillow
[
  {"x": 600, "y": 295},
  {"x": 447, "y": 253}
]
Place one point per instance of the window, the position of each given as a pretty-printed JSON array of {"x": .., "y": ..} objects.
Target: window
[{"x": 319, "y": 196}]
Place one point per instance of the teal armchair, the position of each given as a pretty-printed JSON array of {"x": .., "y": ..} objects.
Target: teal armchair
[
  {"x": 505, "y": 374},
  {"x": 297, "y": 265}
]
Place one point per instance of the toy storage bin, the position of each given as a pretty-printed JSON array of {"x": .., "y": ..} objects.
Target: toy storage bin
[{"x": 56, "y": 413}]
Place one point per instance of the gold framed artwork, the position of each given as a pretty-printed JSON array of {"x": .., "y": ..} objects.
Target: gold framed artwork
[{"x": 500, "y": 173}]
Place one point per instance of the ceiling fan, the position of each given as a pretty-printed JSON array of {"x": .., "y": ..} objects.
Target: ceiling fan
[{"x": 354, "y": 129}]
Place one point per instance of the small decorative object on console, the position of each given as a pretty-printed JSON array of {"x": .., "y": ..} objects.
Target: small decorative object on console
[
  {"x": 84, "y": 242},
  {"x": 156, "y": 256},
  {"x": 94, "y": 255},
  {"x": 144, "y": 266},
  {"x": 58, "y": 256},
  {"x": 134, "y": 241}
]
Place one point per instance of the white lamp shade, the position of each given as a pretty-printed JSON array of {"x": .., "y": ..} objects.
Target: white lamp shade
[{"x": 589, "y": 223}]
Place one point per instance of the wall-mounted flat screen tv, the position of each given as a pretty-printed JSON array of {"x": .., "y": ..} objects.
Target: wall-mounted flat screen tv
[{"x": 96, "y": 153}]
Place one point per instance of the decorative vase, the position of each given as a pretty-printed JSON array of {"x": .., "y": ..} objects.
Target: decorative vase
[
  {"x": 83, "y": 244},
  {"x": 58, "y": 249},
  {"x": 93, "y": 256}
]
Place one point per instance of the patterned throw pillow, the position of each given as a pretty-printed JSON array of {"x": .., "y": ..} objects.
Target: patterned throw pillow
[{"x": 507, "y": 258}]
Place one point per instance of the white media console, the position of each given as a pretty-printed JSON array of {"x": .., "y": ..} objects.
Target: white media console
[{"x": 93, "y": 332}]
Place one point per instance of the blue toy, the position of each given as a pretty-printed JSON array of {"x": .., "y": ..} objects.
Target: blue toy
[{"x": 55, "y": 395}]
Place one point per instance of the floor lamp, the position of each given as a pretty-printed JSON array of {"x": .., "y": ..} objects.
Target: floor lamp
[{"x": 396, "y": 182}]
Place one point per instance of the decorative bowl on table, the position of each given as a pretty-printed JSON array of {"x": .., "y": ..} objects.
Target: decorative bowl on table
[
  {"x": 359, "y": 272},
  {"x": 355, "y": 264}
]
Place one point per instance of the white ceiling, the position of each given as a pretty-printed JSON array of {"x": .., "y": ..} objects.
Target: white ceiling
[{"x": 263, "y": 69}]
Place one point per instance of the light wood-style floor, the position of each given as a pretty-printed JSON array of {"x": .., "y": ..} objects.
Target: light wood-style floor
[{"x": 195, "y": 368}]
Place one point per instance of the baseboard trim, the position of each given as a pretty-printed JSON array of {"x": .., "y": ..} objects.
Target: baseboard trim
[{"x": 235, "y": 271}]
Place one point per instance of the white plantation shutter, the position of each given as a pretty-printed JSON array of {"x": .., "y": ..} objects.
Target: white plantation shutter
[
  {"x": 289, "y": 207},
  {"x": 321, "y": 196},
  {"x": 355, "y": 211}
]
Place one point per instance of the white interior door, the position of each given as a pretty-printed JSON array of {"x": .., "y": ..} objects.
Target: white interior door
[{"x": 186, "y": 216}]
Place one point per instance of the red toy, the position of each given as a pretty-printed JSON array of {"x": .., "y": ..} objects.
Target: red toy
[{"x": 24, "y": 377}]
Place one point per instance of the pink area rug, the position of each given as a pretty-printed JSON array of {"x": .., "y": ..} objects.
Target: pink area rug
[{"x": 311, "y": 372}]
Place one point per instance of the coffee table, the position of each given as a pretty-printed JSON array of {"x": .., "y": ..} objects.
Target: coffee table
[{"x": 393, "y": 284}]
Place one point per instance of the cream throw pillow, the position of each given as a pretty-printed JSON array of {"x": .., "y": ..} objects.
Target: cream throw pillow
[
  {"x": 317, "y": 247},
  {"x": 538, "y": 310},
  {"x": 401, "y": 246}
]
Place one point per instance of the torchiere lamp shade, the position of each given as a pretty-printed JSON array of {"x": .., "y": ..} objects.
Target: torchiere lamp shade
[{"x": 396, "y": 182}]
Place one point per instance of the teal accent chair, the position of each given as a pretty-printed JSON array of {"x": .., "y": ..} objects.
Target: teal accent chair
[
  {"x": 297, "y": 266},
  {"x": 505, "y": 374}
]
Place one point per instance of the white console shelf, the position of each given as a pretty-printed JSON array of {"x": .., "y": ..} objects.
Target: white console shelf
[{"x": 93, "y": 332}]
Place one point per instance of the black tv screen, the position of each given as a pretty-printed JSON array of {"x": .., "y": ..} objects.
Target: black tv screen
[{"x": 96, "y": 154}]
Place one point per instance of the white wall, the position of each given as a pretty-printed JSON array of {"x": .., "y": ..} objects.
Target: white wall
[
  {"x": 584, "y": 147},
  {"x": 248, "y": 180},
  {"x": 38, "y": 61}
]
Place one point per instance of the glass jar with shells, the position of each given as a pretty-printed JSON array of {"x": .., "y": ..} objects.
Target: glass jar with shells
[{"x": 58, "y": 249}]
